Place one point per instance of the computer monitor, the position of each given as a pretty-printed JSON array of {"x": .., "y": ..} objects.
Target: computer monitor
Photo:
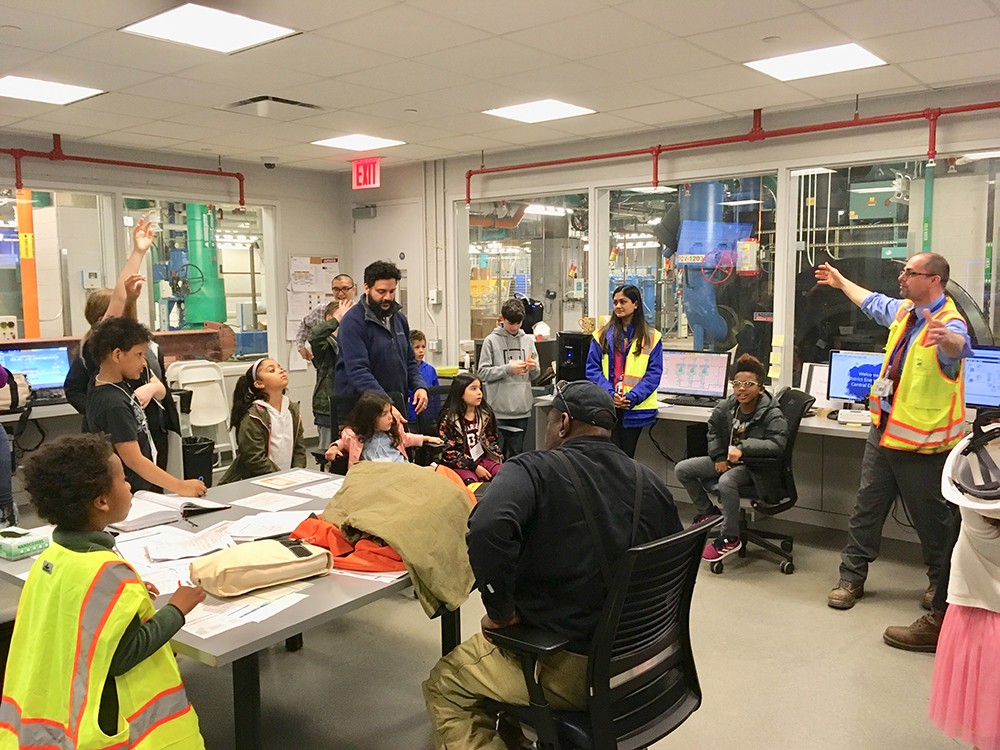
[
  {"x": 687, "y": 373},
  {"x": 44, "y": 368},
  {"x": 982, "y": 377},
  {"x": 851, "y": 375}
]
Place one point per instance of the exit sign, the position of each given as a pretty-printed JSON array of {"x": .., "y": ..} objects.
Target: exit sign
[{"x": 366, "y": 173}]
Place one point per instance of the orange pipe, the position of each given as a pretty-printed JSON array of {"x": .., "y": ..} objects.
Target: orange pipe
[{"x": 29, "y": 274}]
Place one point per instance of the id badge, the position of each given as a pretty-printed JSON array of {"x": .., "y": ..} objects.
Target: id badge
[{"x": 882, "y": 387}]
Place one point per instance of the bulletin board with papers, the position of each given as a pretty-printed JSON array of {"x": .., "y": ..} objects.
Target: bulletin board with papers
[{"x": 309, "y": 282}]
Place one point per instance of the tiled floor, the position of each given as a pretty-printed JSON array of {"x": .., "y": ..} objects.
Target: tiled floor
[{"x": 779, "y": 669}]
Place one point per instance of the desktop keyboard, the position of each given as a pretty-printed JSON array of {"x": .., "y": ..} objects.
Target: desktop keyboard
[{"x": 708, "y": 403}]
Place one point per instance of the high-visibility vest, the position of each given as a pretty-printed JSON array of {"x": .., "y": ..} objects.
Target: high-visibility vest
[
  {"x": 928, "y": 409},
  {"x": 635, "y": 367},
  {"x": 73, "y": 611}
]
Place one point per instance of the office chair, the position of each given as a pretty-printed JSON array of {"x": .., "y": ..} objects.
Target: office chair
[
  {"x": 641, "y": 673},
  {"x": 793, "y": 404}
]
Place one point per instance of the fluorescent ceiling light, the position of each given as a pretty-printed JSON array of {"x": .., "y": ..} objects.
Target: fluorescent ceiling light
[
  {"x": 652, "y": 190},
  {"x": 880, "y": 189},
  {"x": 747, "y": 202},
  {"x": 982, "y": 155},
  {"x": 540, "y": 111},
  {"x": 358, "y": 142},
  {"x": 817, "y": 62},
  {"x": 539, "y": 209},
  {"x": 49, "y": 92},
  {"x": 208, "y": 28},
  {"x": 810, "y": 170}
]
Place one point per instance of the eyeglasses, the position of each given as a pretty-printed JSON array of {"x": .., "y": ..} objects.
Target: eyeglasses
[
  {"x": 908, "y": 272},
  {"x": 558, "y": 393},
  {"x": 342, "y": 288},
  {"x": 743, "y": 384}
]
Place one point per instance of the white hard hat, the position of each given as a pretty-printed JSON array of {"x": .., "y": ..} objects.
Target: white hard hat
[{"x": 971, "y": 476}]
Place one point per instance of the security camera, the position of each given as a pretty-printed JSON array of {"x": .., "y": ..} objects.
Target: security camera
[
  {"x": 269, "y": 165},
  {"x": 270, "y": 162}
]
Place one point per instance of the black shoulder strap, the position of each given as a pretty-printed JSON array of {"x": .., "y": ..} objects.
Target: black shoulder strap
[{"x": 588, "y": 513}]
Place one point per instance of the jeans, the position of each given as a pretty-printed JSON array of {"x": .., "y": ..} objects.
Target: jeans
[
  {"x": 8, "y": 508},
  {"x": 694, "y": 472},
  {"x": 510, "y": 433}
]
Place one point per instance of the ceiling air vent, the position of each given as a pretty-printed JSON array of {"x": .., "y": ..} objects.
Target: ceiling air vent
[{"x": 272, "y": 107}]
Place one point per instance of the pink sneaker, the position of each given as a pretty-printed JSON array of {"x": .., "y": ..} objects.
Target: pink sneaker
[
  {"x": 721, "y": 548},
  {"x": 714, "y": 513}
]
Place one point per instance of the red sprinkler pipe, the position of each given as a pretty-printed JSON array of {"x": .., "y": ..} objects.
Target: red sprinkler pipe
[
  {"x": 756, "y": 133},
  {"x": 57, "y": 154}
]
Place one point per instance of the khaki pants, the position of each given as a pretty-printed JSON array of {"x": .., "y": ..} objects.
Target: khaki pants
[{"x": 477, "y": 670}]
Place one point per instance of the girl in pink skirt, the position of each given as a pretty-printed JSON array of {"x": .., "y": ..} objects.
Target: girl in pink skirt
[{"x": 965, "y": 690}]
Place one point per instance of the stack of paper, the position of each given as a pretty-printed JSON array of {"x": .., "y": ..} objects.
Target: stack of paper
[
  {"x": 265, "y": 525},
  {"x": 290, "y": 479},
  {"x": 152, "y": 509},
  {"x": 324, "y": 490},
  {"x": 194, "y": 545},
  {"x": 216, "y": 616},
  {"x": 269, "y": 501}
]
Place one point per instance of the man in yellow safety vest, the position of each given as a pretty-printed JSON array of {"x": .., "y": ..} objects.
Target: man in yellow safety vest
[{"x": 918, "y": 415}]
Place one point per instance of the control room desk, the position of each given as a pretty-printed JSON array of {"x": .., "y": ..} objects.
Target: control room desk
[
  {"x": 329, "y": 597},
  {"x": 827, "y": 463}
]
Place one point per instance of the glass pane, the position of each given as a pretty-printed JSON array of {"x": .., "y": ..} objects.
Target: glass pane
[
  {"x": 702, "y": 255},
  {"x": 536, "y": 248}
]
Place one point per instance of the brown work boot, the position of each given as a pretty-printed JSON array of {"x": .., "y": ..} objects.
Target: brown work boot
[
  {"x": 928, "y": 599},
  {"x": 922, "y": 635},
  {"x": 846, "y": 593}
]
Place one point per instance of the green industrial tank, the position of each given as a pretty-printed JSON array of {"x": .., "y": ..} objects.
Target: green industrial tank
[{"x": 209, "y": 302}]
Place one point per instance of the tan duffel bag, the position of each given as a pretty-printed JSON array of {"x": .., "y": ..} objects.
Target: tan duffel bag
[{"x": 256, "y": 565}]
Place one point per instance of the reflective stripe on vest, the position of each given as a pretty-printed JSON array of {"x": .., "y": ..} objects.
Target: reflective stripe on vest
[
  {"x": 928, "y": 411},
  {"x": 168, "y": 705},
  {"x": 635, "y": 368}
]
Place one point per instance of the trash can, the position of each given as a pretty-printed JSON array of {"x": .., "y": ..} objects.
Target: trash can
[{"x": 199, "y": 457}]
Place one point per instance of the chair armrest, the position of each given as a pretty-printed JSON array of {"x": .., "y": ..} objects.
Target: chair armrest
[{"x": 522, "y": 639}]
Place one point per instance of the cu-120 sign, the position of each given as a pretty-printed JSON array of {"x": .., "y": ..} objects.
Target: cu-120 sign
[{"x": 366, "y": 173}]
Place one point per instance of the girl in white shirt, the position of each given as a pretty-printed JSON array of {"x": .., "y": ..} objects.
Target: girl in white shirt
[
  {"x": 268, "y": 426},
  {"x": 965, "y": 690}
]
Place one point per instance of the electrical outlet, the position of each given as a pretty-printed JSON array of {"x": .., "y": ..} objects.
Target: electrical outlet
[
  {"x": 434, "y": 345},
  {"x": 434, "y": 297},
  {"x": 8, "y": 327}
]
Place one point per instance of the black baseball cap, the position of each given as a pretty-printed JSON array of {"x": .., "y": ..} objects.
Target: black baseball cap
[{"x": 585, "y": 402}]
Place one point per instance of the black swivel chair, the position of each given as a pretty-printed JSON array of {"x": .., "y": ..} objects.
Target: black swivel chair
[
  {"x": 793, "y": 404},
  {"x": 641, "y": 672}
]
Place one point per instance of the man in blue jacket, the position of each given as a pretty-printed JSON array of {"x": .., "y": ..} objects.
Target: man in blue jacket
[{"x": 375, "y": 351}]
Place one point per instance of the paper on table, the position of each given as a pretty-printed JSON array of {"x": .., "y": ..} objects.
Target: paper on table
[
  {"x": 269, "y": 501},
  {"x": 324, "y": 490},
  {"x": 216, "y": 616},
  {"x": 290, "y": 479},
  {"x": 263, "y": 525},
  {"x": 380, "y": 577},
  {"x": 196, "y": 545}
]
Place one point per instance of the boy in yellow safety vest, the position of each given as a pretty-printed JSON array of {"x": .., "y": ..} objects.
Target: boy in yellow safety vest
[{"x": 90, "y": 663}]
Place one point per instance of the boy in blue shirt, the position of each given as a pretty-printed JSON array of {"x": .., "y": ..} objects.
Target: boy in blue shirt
[{"x": 419, "y": 343}]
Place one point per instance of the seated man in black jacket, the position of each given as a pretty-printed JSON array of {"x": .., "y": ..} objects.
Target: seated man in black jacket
[{"x": 536, "y": 562}]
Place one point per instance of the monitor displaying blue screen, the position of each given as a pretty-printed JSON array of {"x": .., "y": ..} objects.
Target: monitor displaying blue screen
[
  {"x": 44, "y": 368},
  {"x": 852, "y": 375},
  {"x": 687, "y": 373},
  {"x": 982, "y": 377}
]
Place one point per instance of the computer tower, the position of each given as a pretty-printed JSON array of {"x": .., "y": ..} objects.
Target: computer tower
[{"x": 572, "y": 350}]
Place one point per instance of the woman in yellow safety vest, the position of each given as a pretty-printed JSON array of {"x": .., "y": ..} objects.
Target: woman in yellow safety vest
[
  {"x": 90, "y": 664},
  {"x": 626, "y": 359}
]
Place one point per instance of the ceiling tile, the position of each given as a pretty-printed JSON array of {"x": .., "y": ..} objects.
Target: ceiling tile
[
  {"x": 189, "y": 93},
  {"x": 302, "y": 16},
  {"x": 41, "y": 32},
  {"x": 621, "y": 96},
  {"x": 671, "y": 56},
  {"x": 175, "y": 130},
  {"x": 684, "y": 19},
  {"x": 217, "y": 119},
  {"x": 128, "y": 104},
  {"x": 333, "y": 93},
  {"x": 426, "y": 109},
  {"x": 411, "y": 132},
  {"x": 322, "y": 165},
  {"x": 20, "y": 108},
  {"x": 295, "y": 132},
  {"x": 595, "y": 125},
  {"x": 246, "y": 74},
  {"x": 12, "y": 57},
  {"x": 473, "y": 123},
  {"x": 344, "y": 122},
  {"x": 107, "y": 13},
  {"x": 716, "y": 80},
  {"x": 937, "y": 42},
  {"x": 508, "y": 16},
  {"x": 668, "y": 113},
  {"x": 863, "y": 19},
  {"x": 120, "y": 49},
  {"x": 884, "y": 79},
  {"x": 403, "y": 31},
  {"x": 823, "y": 3},
  {"x": 312, "y": 53},
  {"x": 469, "y": 144},
  {"x": 523, "y": 135},
  {"x": 577, "y": 36},
  {"x": 93, "y": 74},
  {"x": 491, "y": 59},
  {"x": 419, "y": 151},
  {"x": 481, "y": 96},
  {"x": 560, "y": 81},
  {"x": 48, "y": 128},
  {"x": 92, "y": 118},
  {"x": 245, "y": 141},
  {"x": 966, "y": 68},
  {"x": 407, "y": 76},
  {"x": 133, "y": 139},
  {"x": 797, "y": 33},
  {"x": 759, "y": 97}
]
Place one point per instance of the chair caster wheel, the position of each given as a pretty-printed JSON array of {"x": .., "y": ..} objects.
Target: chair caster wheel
[
  {"x": 787, "y": 567},
  {"x": 786, "y": 545},
  {"x": 716, "y": 567}
]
